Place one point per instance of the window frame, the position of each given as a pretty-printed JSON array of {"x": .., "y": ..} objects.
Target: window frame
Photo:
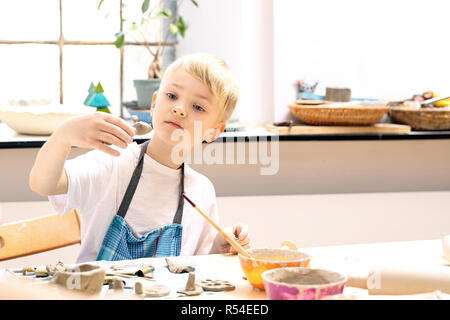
[{"x": 61, "y": 42}]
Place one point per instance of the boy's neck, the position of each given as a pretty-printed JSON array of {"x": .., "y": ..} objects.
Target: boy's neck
[{"x": 162, "y": 153}]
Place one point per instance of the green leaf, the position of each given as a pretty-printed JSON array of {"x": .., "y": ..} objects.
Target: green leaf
[
  {"x": 100, "y": 4},
  {"x": 120, "y": 38},
  {"x": 145, "y": 5},
  {"x": 163, "y": 13},
  {"x": 182, "y": 27},
  {"x": 195, "y": 3},
  {"x": 173, "y": 28}
]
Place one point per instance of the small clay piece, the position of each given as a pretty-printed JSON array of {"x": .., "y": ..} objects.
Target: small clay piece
[
  {"x": 141, "y": 127},
  {"x": 157, "y": 290},
  {"x": 52, "y": 269},
  {"x": 178, "y": 268},
  {"x": 216, "y": 285},
  {"x": 41, "y": 273},
  {"x": 27, "y": 269},
  {"x": 191, "y": 289},
  {"x": 117, "y": 284},
  {"x": 138, "y": 287}
]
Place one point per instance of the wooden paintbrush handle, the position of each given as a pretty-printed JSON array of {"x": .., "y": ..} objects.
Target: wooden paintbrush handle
[{"x": 225, "y": 234}]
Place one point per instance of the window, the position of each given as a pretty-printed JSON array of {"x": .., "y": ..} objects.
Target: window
[{"x": 54, "y": 49}]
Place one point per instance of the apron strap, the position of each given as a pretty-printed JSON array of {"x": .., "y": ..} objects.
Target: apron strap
[
  {"x": 126, "y": 201},
  {"x": 129, "y": 193},
  {"x": 179, "y": 214}
]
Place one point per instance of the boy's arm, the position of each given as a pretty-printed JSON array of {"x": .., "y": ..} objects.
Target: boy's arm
[
  {"x": 96, "y": 130},
  {"x": 48, "y": 176}
]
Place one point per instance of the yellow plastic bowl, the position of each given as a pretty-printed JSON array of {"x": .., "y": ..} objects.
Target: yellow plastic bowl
[{"x": 267, "y": 259}]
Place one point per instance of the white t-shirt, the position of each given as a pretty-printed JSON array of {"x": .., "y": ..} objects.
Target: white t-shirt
[{"x": 97, "y": 184}]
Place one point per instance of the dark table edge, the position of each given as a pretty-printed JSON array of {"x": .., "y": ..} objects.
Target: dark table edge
[{"x": 415, "y": 135}]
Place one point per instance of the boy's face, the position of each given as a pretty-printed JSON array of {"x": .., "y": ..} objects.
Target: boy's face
[{"x": 182, "y": 103}]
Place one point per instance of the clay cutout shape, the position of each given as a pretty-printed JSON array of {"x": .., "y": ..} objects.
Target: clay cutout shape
[
  {"x": 157, "y": 290},
  {"x": 216, "y": 285},
  {"x": 191, "y": 289},
  {"x": 87, "y": 278},
  {"x": 178, "y": 268},
  {"x": 52, "y": 269},
  {"x": 140, "y": 127}
]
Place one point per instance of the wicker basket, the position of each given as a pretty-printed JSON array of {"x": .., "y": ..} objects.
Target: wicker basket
[
  {"x": 422, "y": 119},
  {"x": 332, "y": 115}
]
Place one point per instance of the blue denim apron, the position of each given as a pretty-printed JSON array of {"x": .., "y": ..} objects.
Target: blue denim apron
[{"x": 120, "y": 243}]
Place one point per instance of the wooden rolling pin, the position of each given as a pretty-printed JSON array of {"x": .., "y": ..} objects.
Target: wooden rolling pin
[{"x": 397, "y": 281}]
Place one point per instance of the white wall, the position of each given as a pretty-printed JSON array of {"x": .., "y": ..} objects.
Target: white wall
[
  {"x": 242, "y": 33},
  {"x": 380, "y": 49},
  {"x": 213, "y": 27}
]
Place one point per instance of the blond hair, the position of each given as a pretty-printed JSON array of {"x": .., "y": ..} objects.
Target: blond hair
[{"x": 214, "y": 72}]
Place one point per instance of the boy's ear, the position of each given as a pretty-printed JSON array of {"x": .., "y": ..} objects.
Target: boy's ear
[
  {"x": 217, "y": 131},
  {"x": 152, "y": 108}
]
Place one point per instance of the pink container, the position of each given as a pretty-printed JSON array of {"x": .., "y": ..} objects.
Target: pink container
[{"x": 302, "y": 283}]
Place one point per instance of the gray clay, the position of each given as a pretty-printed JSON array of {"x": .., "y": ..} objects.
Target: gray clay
[
  {"x": 84, "y": 277},
  {"x": 216, "y": 285},
  {"x": 117, "y": 284},
  {"x": 140, "y": 127},
  {"x": 157, "y": 290},
  {"x": 53, "y": 268},
  {"x": 178, "y": 268},
  {"x": 191, "y": 289}
]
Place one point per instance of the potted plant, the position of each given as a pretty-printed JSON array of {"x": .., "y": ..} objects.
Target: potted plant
[{"x": 140, "y": 29}]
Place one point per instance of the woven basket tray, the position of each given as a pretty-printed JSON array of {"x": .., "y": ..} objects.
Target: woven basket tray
[
  {"x": 422, "y": 119},
  {"x": 331, "y": 115}
]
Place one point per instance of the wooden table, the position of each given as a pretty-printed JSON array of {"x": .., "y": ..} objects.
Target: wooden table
[
  {"x": 355, "y": 260},
  {"x": 348, "y": 259}
]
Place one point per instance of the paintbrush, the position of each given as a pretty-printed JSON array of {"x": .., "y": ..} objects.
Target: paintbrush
[{"x": 225, "y": 234}]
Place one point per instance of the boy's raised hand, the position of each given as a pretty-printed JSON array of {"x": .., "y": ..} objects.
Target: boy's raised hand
[{"x": 95, "y": 130}]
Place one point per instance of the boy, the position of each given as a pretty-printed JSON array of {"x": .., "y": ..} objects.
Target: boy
[{"x": 131, "y": 201}]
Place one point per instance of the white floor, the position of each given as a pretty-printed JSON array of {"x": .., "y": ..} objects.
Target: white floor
[{"x": 308, "y": 220}]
